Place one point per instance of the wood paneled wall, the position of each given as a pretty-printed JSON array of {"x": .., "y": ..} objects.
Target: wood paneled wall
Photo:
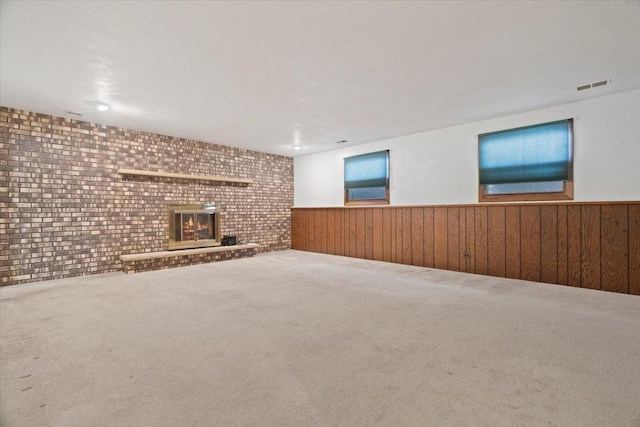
[{"x": 589, "y": 245}]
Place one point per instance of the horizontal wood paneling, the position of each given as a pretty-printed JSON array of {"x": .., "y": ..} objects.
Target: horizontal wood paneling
[{"x": 590, "y": 245}]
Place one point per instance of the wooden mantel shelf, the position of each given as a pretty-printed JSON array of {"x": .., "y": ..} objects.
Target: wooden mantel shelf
[{"x": 184, "y": 176}]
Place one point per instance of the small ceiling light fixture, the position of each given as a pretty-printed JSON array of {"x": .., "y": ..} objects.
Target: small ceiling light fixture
[
  {"x": 296, "y": 139},
  {"x": 103, "y": 107}
]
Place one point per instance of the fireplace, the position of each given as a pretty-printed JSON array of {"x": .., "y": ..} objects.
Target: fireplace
[{"x": 194, "y": 226}]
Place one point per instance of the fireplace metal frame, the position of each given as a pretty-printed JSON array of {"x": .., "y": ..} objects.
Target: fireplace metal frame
[{"x": 207, "y": 208}]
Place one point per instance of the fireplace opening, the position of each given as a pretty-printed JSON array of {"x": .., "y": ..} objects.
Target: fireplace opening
[{"x": 193, "y": 226}]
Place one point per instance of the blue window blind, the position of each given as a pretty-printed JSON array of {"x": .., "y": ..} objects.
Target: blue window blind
[
  {"x": 367, "y": 170},
  {"x": 540, "y": 153}
]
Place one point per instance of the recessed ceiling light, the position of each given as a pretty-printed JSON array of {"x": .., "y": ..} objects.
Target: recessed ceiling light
[
  {"x": 103, "y": 107},
  {"x": 296, "y": 147}
]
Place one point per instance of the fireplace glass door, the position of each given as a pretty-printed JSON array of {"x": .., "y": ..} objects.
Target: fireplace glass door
[{"x": 193, "y": 226}]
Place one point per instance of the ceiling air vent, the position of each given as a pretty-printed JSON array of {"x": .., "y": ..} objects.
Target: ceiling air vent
[{"x": 592, "y": 85}]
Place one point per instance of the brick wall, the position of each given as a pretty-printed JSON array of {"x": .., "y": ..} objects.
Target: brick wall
[{"x": 65, "y": 211}]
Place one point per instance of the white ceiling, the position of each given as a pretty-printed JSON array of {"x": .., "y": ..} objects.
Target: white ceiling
[{"x": 260, "y": 75}]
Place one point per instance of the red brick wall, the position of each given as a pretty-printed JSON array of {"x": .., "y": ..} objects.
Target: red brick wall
[{"x": 65, "y": 211}]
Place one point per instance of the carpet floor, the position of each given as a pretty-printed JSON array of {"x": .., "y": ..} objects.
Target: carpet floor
[{"x": 303, "y": 339}]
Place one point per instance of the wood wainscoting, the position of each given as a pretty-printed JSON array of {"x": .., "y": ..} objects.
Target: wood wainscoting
[{"x": 589, "y": 245}]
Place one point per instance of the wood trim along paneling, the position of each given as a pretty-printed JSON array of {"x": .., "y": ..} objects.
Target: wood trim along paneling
[
  {"x": 460, "y": 205},
  {"x": 593, "y": 245}
]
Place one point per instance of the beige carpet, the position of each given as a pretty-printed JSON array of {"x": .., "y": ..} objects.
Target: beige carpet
[{"x": 301, "y": 339}]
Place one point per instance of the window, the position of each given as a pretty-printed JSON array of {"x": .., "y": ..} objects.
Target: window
[
  {"x": 366, "y": 179},
  {"x": 528, "y": 163}
]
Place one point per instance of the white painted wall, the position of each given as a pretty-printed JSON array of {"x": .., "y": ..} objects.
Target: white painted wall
[{"x": 441, "y": 166}]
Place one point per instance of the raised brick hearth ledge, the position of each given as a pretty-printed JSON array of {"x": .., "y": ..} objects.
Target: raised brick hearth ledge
[{"x": 148, "y": 261}]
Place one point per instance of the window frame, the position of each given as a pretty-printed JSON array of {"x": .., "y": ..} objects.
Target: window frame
[
  {"x": 361, "y": 202},
  {"x": 567, "y": 186}
]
